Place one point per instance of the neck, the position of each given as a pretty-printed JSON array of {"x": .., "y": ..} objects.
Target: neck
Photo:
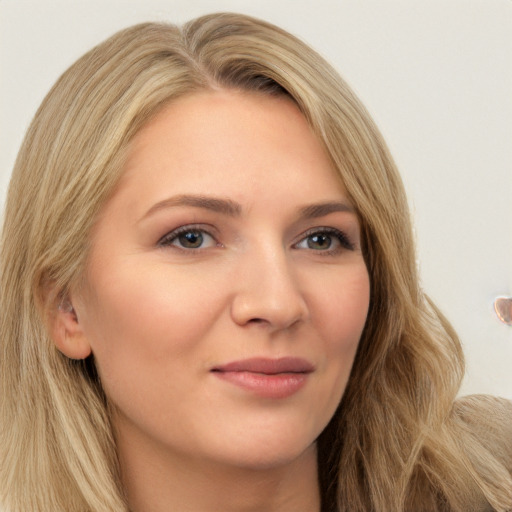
[{"x": 158, "y": 481}]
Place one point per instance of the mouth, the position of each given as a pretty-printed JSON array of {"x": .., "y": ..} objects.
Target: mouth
[{"x": 268, "y": 378}]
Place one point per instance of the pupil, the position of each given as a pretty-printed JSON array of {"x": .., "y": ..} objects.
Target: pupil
[
  {"x": 319, "y": 242},
  {"x": 191, "y": 239}
]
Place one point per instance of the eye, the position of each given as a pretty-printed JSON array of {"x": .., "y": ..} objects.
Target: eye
[
  {"x": 188, "y": 237},
  {"x": 328, "y": 240}
]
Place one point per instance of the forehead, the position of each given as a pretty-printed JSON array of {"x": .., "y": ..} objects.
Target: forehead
[{"x": 229, "y": 136}]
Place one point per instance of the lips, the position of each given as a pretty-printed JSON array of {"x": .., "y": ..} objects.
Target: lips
[{"x": 268, "y": 378}]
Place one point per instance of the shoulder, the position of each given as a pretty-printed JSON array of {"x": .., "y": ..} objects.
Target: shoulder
[{"x": 489, "y": 419}]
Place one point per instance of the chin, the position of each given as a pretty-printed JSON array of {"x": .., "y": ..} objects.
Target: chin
[{"x": 259, "y": 453}]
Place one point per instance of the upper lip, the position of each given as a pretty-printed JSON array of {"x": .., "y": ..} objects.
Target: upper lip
[{"x": 267, "y": 366}]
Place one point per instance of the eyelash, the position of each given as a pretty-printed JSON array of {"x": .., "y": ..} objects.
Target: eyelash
[
  {"x": 344, "y": 242},
  {"x": 342, "y": 239},
  {"x": 168, "y": 239}
]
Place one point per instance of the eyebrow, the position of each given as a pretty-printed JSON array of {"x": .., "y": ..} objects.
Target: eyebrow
[
  {"x": 321, "y": 209},
  {"x": 225, "y": 206},
  {"x": 234, "y": 209}
]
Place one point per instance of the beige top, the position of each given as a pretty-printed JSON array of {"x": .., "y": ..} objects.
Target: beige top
[
  {"x": 490, "y": 420},
  {"x": 477, "y": 420}
]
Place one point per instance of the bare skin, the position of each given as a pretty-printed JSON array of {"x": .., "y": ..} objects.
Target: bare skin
[
  {"x": 230, "y": 243},
  {"x": 187, "y": 485}
]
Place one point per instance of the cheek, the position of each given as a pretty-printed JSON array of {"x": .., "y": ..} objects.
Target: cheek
[
  {"x": 344, "y": 309},
  {"x": 338, "y": 316},
  {"x": 136, "y": 318},
  {"x": 341, "y": 317}
]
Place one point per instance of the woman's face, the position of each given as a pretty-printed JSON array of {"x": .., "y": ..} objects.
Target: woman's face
[{"x": 226, "y": 290}]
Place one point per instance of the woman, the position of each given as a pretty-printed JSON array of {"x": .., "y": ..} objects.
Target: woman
[{"x": 210, "y": 301}]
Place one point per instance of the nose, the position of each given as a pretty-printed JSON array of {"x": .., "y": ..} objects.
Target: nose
[{"x": 268, "y": 292}]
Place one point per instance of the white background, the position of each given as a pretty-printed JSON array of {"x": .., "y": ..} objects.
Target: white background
[{"x": 435, "y": 74}]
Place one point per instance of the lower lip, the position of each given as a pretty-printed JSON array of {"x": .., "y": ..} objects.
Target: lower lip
[{"x": 280, "y": 385}]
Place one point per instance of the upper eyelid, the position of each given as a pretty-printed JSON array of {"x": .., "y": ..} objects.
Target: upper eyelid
[
  {"x": 174, "y": 233},
  {"x": 213, "y": 232},
  {"x": 327, "y": 230},
  {"x": 321, "y": 229}
]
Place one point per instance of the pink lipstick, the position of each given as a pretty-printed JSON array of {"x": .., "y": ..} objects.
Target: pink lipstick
[{"x": 269, "y": 378}]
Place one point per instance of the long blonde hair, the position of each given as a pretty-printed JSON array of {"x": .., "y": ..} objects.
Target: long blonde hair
[{"x": 393, "y": 440}]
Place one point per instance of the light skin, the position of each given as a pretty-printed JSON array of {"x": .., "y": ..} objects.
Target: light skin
[{"x": 229, "y": 237}]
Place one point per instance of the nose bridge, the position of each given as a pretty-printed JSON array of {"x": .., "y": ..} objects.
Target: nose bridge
[{"x": 268, "y": 290}]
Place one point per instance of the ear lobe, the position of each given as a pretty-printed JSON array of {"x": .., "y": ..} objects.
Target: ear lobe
[{"x": 67, "y": 333}]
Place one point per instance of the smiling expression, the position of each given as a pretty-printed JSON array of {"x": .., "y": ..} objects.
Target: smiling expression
[{"x": 226, "y": 290}]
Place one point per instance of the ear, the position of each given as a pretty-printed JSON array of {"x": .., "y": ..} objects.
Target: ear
[{"x": 67, "y": 332}]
